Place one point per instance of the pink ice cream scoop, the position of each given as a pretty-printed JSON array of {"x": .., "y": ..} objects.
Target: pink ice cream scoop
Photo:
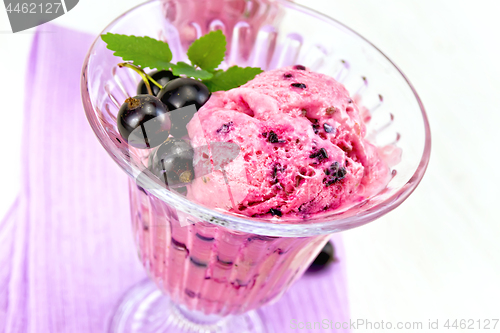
[{"x": 302, "y": 147}]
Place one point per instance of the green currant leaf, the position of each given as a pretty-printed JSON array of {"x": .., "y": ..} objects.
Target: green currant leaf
[
  {"x": 142, "y": 51},
  {"x": 208, "y": 51},
  {"x": 190, "y": 71},
  {"x": 233, "y": 77}
]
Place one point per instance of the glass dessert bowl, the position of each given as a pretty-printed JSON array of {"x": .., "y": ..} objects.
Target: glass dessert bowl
[{"x": 215, "y": 268}]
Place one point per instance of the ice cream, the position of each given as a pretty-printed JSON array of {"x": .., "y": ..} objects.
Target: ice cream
[
  {"x": 302, "y": 147},
  {"x": 302, "y": 151}
]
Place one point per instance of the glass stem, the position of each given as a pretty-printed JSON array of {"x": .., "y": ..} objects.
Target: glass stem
[{"x": 195, "y": 320}]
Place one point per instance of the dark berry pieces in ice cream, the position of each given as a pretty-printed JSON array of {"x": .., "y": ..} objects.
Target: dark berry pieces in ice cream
[
  {"x": 332, "y": 169},
  {"x": 184, "y": 91},
  {"x": 277, "y": 168},
  {"x": 162, "y": 77},
  {"x": 330, "y": 110},
  {"x": 320, "y": 155},
  {"x": 328, "y": 128},
  {"x": 172, "y": 162},
  {"x": 315, "y": 128},
  {"x": 341, "y": 173},
  {"x": 300, "y": 67},
  {"x": 275, "y": 212},
  {"x": 143, "y": 121},
  {"x": 334, "y": 174},
  {"x": 299, "y": 85},
  {"x": 225, "y": 128},
  {"x": 324, "y": 258},
  {"x": 288, "y": 76},
  {"x": 273, "y": 138}
]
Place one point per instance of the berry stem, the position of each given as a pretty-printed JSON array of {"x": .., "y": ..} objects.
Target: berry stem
[
  {"x": 152, "y": 80},
  {"x": 145, "y": 77}
]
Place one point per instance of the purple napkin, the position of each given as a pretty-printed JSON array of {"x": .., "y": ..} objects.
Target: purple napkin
[{"x": 67, "y": 253}]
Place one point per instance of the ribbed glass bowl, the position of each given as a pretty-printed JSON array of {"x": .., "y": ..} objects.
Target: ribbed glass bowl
[{"x": 180, "y": 241}]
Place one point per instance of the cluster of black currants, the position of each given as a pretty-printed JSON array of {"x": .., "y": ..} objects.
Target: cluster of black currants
[{"x": 147, "y": 121}]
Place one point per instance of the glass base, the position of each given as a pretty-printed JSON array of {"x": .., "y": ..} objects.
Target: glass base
[{"x": 146, "y": 309}]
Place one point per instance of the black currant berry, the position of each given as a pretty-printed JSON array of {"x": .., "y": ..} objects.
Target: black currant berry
[
  {"x": 162, "y": 77},
  {"x": 143, "y": 121},
  {"x": 186, "y": 94},
  {"x": 324, "y": 258},
  {"x": 182, "y": 92},
  {"x": 172, "y": 162}
]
